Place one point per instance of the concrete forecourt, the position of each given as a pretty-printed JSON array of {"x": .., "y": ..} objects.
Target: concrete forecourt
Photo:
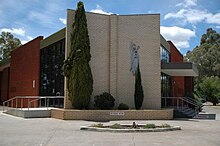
[{"x": 54, "y": 132}]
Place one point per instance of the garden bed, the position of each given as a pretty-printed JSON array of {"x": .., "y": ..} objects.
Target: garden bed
[{"x": 130, "y": 128}]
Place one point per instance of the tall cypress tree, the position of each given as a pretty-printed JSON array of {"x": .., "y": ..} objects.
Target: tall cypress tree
[
  {"x": 76, "y": 66},
  {"x": 138, "y": 94}
]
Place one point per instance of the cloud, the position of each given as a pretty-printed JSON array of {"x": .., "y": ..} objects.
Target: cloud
[
  {"x": 179, "y": 36},
  {"x": 19, "y": 32},
  {"x": 63, "y": 20},
  {"x": 188, "y": 3},
  {"x": 213, "y": 18},
  {"x": 100, "y": 10},
  {"x": 46, "y": 15},
  {"x": 42, "y": 18},
  {"x": 29, "y": 38},
  {"x": 194, "y": 16},
  {"x": 16, "y": 31}
]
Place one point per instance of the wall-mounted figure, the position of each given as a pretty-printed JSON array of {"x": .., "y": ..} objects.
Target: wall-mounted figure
[{"x": 134, "y": 57}]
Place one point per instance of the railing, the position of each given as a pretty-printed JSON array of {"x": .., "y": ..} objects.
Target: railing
[
  {"x": 36, "y": 101},
  {"x": 180, "y": 102}
]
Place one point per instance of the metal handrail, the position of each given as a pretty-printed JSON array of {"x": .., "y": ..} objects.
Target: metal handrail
[
  {"x": 186, "y": 99},
  {"x": 7, "y": 101},
  {"x": 29, "y": 102},
  {"x": 191, "y": 100}
]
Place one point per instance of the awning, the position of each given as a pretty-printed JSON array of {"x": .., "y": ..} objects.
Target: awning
[{"x": 179, "y": 69}]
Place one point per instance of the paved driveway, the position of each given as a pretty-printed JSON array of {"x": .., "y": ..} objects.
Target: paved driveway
[{"x": 16, "y": 131}]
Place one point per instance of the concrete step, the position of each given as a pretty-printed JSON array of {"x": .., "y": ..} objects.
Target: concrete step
[
  {"x": 31, "y": 113},
  {"x": 184, "y": 112},
  {"x": 205, "y": 116}
]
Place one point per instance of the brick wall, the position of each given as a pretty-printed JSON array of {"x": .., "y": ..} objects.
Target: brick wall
[
  {"x": 108, "y": 115},
  {"x": 188, "y": 85},
  {"x": 175, "y": 55},
  {"x": 25, "y": 69},
  {"x": 110, "y": 39},
  {"x": 177, "y": 83},
  {"x": 143, "y": 30},
  {"x": 5, "y": 84}
]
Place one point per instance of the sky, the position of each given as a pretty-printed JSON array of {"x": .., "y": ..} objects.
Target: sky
[{"x": 182, "y": 21}]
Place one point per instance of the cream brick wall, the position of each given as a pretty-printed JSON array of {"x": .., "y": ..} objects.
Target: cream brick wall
[
  {"x": 144, "y": 30},
  {"x": 98, "y": 27},
  {"x": 105, "y": 115},
  {"x": 110, "y": 38}
]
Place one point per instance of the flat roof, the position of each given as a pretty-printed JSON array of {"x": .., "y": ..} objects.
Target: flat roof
[
  {"x": 179, "y": 69},
  {"x": 57, "y": 36}
]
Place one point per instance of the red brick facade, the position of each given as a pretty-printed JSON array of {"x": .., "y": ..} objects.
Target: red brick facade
[
  {"x": 177, "y": 83},
  {"x": 188, "y": 85},
  {"x": 25, "y": 69}
]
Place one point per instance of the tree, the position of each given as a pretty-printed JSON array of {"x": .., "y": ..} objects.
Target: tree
[
  {"x": 138, "y": 94},
  {"x": 210, "y": 89},
  {"x": 76, "y": 66},
  {"x": 7, "y": 43},
  {"x": 207, "y": 55}
]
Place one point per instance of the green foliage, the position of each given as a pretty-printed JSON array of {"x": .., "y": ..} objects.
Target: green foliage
[
  {"x": 207, "y": 55},
  {"x": 7, "y": 43},
  {"x": 150, "y": 126},
  {"x": 211, "y": 37},
  {"x": 165, "y": 126},
  {"x": 210, "y": 88},
  {"x": 123, "y": 106},
  {"x": 104, "y": 101},
  {"x": 207, "y": 58},
  {"x": 99, "y": 125},
  {"x": 76, "y": 66},
  {"x": 138, "y": 94},
  {"x": 116, "y": 126}
]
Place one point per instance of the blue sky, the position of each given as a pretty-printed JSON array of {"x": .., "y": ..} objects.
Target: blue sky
[{"x": 182, "y": 21}]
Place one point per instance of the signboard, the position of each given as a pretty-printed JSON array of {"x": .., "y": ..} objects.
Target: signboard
[{"x": 117, "y": 113}]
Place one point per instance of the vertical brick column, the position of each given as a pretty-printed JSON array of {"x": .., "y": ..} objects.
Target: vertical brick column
[
  {"x": 113, "y": 55},
  {"x": 69, "y": 20}
]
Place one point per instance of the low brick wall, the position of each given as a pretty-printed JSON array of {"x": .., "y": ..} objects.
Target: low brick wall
[{"x": 107, "y": 115}]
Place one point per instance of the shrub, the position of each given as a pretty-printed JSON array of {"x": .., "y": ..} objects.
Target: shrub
[
  {"x": 104, "y": 101},
  {"x": 76, "y": 66},
  {"x": 99, "y": 125},
  {"x": 139, "y": 93},
  {"x": 123, "y": 106},
  {"x": 165, "y": 126},
  {"x": 150, "y": 126},
  {"x": 116, "y": 126}
]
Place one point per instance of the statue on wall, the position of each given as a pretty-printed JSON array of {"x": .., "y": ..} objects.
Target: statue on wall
[
  {"x": 135, "y": 69},
  {"x": 134, "y": 57}
]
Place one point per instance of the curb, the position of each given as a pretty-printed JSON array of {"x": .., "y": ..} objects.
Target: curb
[{"x": 88, "y": 128}]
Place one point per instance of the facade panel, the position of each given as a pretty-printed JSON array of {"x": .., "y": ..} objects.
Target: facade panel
[
  {"x": 110, "y": 39},
  {"x": 177, "y": 82},
  {"x": 25, "y": 69}
]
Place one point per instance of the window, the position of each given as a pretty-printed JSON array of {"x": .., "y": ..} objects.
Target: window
[
  {"x": 164, "y": 54},
  {"x": 165, "y": 85},
  {"x": 51, "y": 74}
]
